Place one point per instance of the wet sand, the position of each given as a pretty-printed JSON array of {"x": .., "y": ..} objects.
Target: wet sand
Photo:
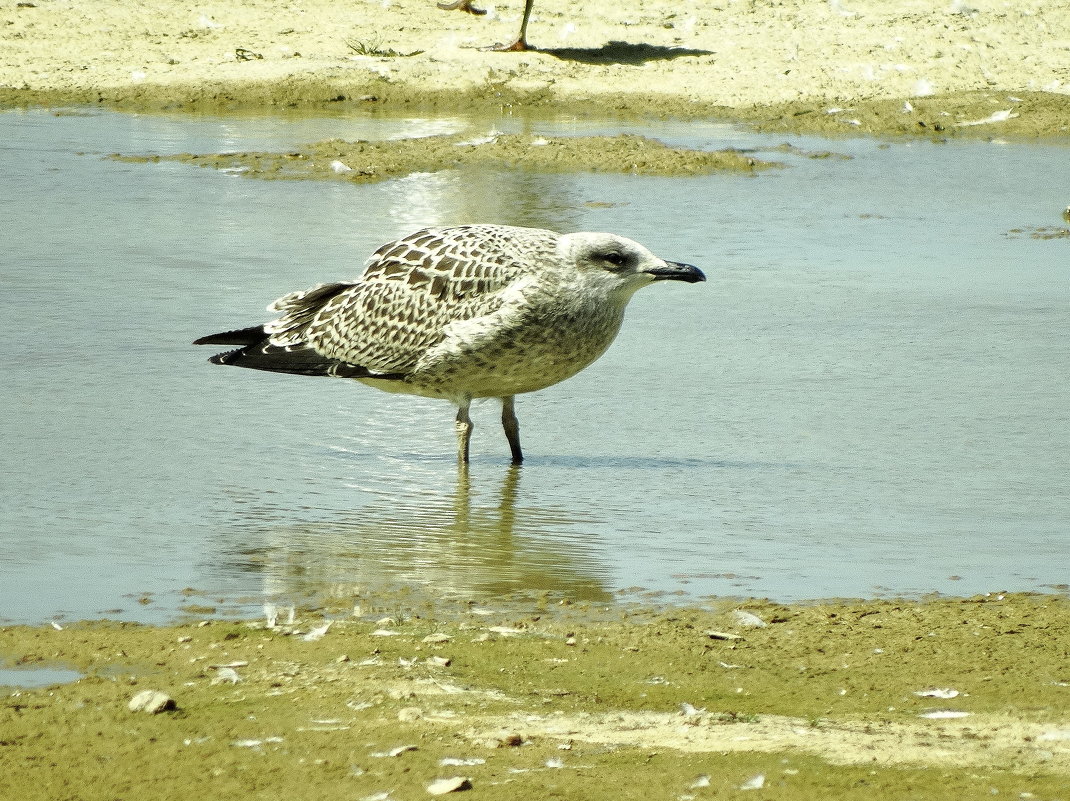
[
  {"x": 954, "y": 67},
  {"x": 943, "y": 698}
]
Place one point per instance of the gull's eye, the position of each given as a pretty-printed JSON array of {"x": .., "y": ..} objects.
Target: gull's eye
[{"x": 614, "y": 258}]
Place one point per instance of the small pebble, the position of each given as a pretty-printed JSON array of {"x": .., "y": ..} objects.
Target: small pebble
[{"x": 151, "y": 701}]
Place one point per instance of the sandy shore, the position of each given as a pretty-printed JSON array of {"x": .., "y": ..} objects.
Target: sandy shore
[
  {"x": 892, "y": 700},
  {"x": 904, "y": 66}
]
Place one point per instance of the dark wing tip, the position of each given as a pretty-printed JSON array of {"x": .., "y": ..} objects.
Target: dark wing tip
[{"x": 241, "y": 336}]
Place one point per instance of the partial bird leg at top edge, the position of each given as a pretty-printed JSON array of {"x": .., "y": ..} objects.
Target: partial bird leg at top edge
[
  {"x": 464, "y": 430},
  {"x": 512, "y": 428},
  {"x": 462, "y": 5},
  {"x": 521, "y": 43}
]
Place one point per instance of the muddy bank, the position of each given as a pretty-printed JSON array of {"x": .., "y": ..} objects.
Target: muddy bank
[
  {"x": 983, "y": 114},
  {"x": 792, "y": 65},
  {"x": 889, "y": 699},
  {"x": 364, "y": 161}
]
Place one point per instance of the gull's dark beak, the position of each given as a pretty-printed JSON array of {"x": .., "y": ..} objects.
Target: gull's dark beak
[{"x": 675, "y": 271}]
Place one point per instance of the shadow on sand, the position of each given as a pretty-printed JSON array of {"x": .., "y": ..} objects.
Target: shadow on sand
[{"x": 622, "y": 53}]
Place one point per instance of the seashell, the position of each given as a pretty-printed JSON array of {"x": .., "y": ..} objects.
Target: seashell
[
  {"x": 393, "y": 752},
  {"x": 754, "y": 782},
  {"x": 1055, "y": 734},
  {"x": 748, "y": 619},
  {"x": 995, "y": 116},
  {"x": 489, "y": 139},
  {"x": 225, "y": 674},
  {"x": 317, "y": 633},
  {"x": 451, "y": 785},
  {"x": 722, "y": 635},
  {"x": 255, "y": 743},
  {"x": 937, "y": 693}
]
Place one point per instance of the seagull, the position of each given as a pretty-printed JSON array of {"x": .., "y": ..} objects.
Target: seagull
[
  {"x": 460, "y": 313},
  {"x": 521, "y": 42}
]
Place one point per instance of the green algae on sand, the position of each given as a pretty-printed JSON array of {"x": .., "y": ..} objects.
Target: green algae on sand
[
  {"x": 557, "y": 701},
  {"x": 368, "y": 161}
]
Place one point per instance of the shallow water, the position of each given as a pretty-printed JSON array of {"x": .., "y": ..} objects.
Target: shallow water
[
  {"x": 37, "y": 676},
  {"x": 869, "y": 396}
]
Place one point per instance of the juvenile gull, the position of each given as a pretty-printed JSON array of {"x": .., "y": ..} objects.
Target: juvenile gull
[{"x": 473, "y": 311}]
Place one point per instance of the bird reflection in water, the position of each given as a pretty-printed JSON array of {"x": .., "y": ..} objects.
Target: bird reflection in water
[{"x": 416, "y": 533}]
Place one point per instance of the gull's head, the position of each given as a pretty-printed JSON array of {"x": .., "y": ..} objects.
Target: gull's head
[{"x": 621, "y": 264}]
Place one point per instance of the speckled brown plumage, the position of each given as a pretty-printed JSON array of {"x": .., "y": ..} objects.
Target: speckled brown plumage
[{"x": 458, "y": 313}]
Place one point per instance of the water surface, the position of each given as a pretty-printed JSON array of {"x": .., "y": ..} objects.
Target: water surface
[{"x": 869, "y": 396}]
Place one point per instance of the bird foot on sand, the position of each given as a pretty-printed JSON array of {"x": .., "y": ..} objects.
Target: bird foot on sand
[
  {"x": 462, "y": 5},
  {"x": 519, "y": 46}
]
